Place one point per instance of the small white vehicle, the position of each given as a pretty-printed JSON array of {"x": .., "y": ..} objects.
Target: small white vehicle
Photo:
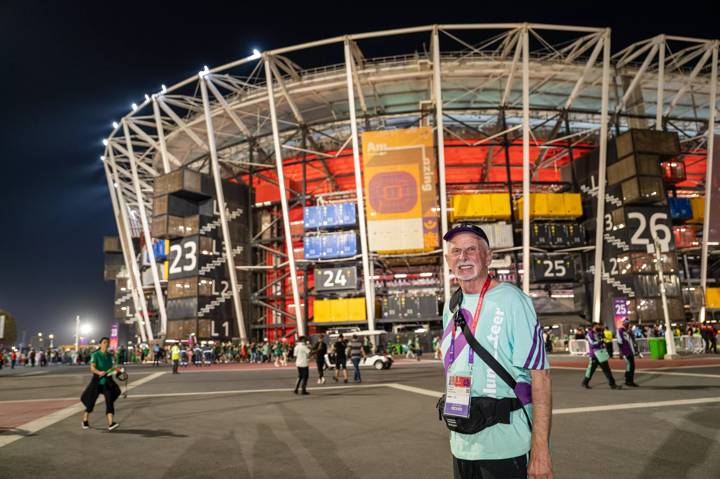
[{"x": 377, "y": 361}]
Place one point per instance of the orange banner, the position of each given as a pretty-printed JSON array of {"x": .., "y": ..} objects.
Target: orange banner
[{"x": 400, "y": 177}]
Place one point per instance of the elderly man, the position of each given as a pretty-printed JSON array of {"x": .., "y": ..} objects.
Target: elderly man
[{"x": 502, "y": 319}]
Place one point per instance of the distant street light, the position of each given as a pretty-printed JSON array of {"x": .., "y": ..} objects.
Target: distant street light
[
  {"x": 85, "y": 329},
  {"x": 51, "y": 336}
]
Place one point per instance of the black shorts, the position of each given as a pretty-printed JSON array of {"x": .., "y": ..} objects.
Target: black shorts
[
  {"x": 512, "y": 468},
  {"x": 341, "y": 362}
]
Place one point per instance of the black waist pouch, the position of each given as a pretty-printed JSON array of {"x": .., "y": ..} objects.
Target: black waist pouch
[{"x": 484, "y": 412}]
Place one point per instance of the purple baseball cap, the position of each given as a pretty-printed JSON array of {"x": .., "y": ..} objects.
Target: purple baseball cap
[{"x": 466, "y": 228}]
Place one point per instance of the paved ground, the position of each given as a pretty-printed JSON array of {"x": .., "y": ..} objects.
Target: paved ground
[{"x": 245, "y": 422}]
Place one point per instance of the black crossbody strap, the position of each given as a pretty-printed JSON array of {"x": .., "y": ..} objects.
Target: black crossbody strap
[
  {"x": 493, "y": 364},
  {"x": 488, "y": 358}
]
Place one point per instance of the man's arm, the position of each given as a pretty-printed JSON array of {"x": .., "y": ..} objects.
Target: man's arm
[{"x": 540, "y": 464}]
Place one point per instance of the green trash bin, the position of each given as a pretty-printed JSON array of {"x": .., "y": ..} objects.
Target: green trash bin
[{"x": 657, "y": 347}]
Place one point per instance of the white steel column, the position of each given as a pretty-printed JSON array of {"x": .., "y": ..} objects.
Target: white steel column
[
  {"x": 526, "y": 158},
  {"x": 367, "y": 274},
  {"x": 439, "y": 124},
  {"x": 222, "y": 207},
  {"x": 669, "y": 336},
  {"x": 146, "y": 231},
  {"x": 299, "y": 319},
  {"x": 135, "y": 279},
  {"x": 123, "y": 243},
  {"x": 661, "y": 84},
  {"x": 708, "y": 176},
  {"x": 161, "y": 135},
  {"x": 600, "y": 219}
]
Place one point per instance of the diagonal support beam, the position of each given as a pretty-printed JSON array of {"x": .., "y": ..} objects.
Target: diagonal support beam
[
  {"x": 281, "y": 83},
  {"x": 183, "y": 126}
]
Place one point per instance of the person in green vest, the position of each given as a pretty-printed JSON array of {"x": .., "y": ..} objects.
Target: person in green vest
[
  {"x": 175, "y": 356},
  {"x": 101, "y": 366}
]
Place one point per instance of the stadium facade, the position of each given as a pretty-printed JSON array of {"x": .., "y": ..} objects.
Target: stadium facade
[{"x": 338, "y": 179}]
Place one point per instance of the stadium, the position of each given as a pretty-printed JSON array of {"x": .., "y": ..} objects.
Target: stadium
[{"x": 307, "y": 188}]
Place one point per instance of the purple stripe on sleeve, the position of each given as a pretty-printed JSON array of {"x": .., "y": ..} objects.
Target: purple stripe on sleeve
[
  {"x": 540, "y": 360},
  {"x": 541, "y": 348},
  {"x": 532, "y": 350}
]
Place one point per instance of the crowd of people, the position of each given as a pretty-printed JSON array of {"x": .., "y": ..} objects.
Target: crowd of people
[
  {"x": 280, "y": 352},
  {"x": 708, "y": 332}
]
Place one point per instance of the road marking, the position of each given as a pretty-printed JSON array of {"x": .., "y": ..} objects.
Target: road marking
[
  {"x": 35, "y": 400},
  {"x": 645, "y": 371},
  {"x": 579, "y": 410},
  {"x": 416, "y": 390},
  {"x": 30, "y": 428},
  {"x": 636, "y": 405},
  {"x": 250, "y": 391}
]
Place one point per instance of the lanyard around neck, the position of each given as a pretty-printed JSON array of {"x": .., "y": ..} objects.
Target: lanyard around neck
[{"x": 476, "y": 317}]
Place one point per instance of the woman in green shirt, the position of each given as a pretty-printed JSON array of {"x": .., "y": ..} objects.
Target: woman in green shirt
[{"x": 101, "y": 365}]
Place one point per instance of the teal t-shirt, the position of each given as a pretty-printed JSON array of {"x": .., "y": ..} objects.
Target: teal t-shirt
[
  {"x": 508, "y": 328},
  {"x": 102, "y": 362}
]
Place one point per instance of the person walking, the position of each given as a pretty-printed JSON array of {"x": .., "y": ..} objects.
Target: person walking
[
  {"x": 319, "y": 351},
  {"x": 101, "y": 363},
  {"x": 356, "y": 354},
  {"x": 409, "y": 347},
  {"x": 436, "y": 347},
  {"x": 417, "y": 348},
  {"x": 608, "y": 340},
  {"x": 175, "y": 356},
  {"x": 598, "y": 357},
  {"x": 13, "y": 359},
  {"x": 156, "y": 355},
  {"x": 339, "y": 348},
  {"x": 501, "y": 319},
  {"x": 626, "y": 344},
  {"x": 302, "y": 357}
]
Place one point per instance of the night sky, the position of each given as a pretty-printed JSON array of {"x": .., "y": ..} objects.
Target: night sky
[{"x": 71, "y": 68}]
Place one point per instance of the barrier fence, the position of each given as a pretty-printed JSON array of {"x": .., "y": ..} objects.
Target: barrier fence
[{"x": 683, "y": 344}]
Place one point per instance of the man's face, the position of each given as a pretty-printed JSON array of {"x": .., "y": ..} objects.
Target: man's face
[{"x": 468, "y": 256}]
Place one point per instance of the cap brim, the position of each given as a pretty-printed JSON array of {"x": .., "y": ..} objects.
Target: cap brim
[{"x": 455, "y": 231}]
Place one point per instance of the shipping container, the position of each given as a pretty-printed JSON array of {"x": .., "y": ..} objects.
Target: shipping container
[
  {"x": 698, "y": 209},
  {"x": 184, "y": 183},
  {"x": 680, "y": 208},
  {"x": 686, "y": 236},
  {"x": 111, "y": 244},
  {"x": 643, "y": 190},
  {"x": 174, "y": 205},
  {"x": 674, "y": 171},
  {"x": 663, "y": 143},
  {"x": 312, "y": 247},
  {"x": 480, "y": 206},
  {"x": 638, "y": 164}
]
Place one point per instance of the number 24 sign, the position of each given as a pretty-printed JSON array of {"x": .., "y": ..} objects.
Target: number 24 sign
[{"x": 327, "y": 279}]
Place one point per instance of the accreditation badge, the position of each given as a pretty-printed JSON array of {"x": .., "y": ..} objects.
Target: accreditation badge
[{"x": 457, "y": 395}]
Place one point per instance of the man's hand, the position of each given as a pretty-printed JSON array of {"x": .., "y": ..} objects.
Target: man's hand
[
  {"x": 101, "y": 373},
  {"x": 540, "y": 465}
]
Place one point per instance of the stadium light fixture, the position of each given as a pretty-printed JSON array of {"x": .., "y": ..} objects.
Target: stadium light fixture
[
  {"x": 163, "y": 88},
  {"x": 133, "y": 106},
  {"x": 147, "y": 97},
  {"x": 102, "y": 157},
  {"x": 105, "y": 142},
  {"x": 256, "y": 53},
  {"x": 115, "y": 125},
  {"x": 85, "y": 329}
]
